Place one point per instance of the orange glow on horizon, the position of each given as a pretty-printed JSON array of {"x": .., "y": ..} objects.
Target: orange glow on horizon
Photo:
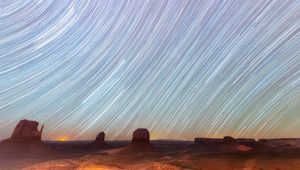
[{"x": 62, "y": 138}]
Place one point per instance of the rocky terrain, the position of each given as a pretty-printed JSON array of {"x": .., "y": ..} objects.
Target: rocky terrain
[{"x": 25, "y": 150}]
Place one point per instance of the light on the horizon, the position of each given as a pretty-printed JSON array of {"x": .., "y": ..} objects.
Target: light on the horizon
[{"x": 62, "y": 138}]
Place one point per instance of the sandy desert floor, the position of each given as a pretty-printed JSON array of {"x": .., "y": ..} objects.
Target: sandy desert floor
[{"x": 163, "y": 156}]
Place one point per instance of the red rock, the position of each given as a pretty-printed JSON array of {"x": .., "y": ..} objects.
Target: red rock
[
  {"x": 140, "y": 142},
  {"x": 27, "y": 130},
  {"x": 141, "y": 136},
  {"x": 26, "y": 141}
]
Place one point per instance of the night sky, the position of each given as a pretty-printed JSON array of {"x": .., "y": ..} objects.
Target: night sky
[{"x": 181, "y": 68}]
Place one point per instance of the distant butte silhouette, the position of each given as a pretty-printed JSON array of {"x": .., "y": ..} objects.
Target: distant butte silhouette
[
  {"x": 100, "y": 137},
  {"x": 140, "y": 142},
  {"x": 141, "y": 136},
  {"x": 227, "y": 144},
  {"x": 100, "y": 141},
  {"x": 229, "y": 140}
]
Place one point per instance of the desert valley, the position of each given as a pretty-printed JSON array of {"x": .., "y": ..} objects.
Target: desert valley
[{"x": 25, "y": 150}]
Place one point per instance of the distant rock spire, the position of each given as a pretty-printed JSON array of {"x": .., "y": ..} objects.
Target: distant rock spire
[{"x": 100, "y": 141}]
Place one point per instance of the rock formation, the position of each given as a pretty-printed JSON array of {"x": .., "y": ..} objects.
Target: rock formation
[
  {"x": 208, "y": 141},
  {"x": 140, "y": 142},
  {"x": 100, "y": 137},
  {"x": 227, "y": 144},
  {"x": 141, "y": 136},
  {"x": 229, "y": 140},
  {"x": 281, "y": 143},
  {"x": 247, "y": 141},
  {"x": 27, "y": 130},
  {"x": 25, "y": 140},
  {"x": 225, "y": 140},
  {"x": 100, "y": 140}
]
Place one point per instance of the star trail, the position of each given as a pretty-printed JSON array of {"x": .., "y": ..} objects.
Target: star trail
[{"x": 181, "y": 68}]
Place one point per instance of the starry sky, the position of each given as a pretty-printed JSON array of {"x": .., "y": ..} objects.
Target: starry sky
[{"x": 181, "y": 68}]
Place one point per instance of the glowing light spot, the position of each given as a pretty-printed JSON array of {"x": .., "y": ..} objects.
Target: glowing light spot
[{"x": 62, "y": 138}]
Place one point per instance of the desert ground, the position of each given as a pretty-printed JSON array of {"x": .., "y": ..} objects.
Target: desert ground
[
  {"x": 161, "y": 155},
  {"x": 26, "y": 150}
]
